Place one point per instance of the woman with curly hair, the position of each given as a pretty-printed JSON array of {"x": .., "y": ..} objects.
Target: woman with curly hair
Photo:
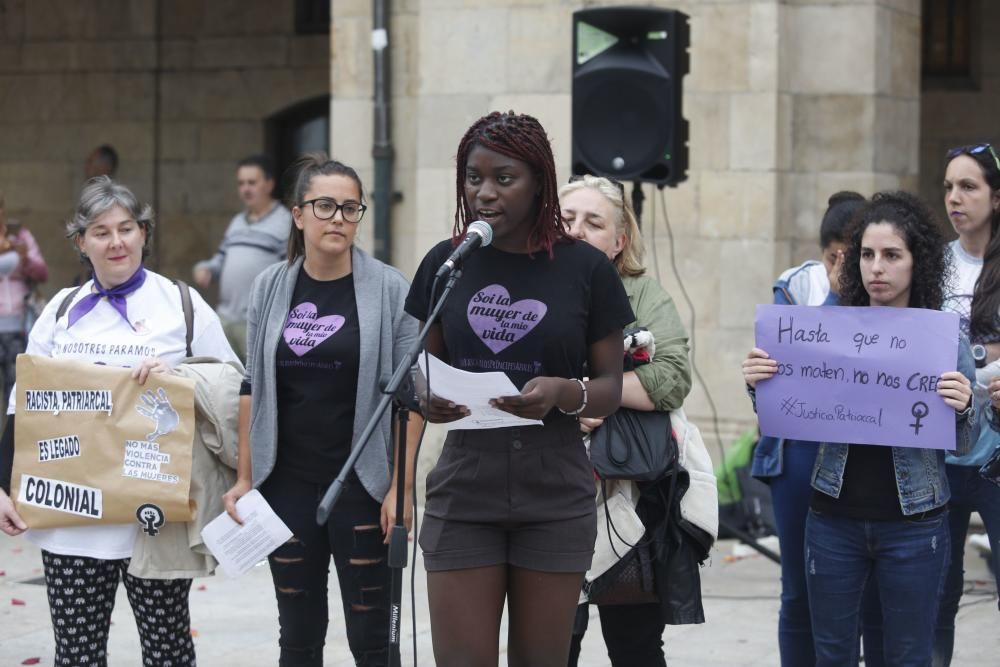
[
  {"x": 882, "y": 510},
  {"x": 510, "y": 514}
]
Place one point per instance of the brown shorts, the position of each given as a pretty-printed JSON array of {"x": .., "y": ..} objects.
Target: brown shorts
[{"x": 523, "y": 496}]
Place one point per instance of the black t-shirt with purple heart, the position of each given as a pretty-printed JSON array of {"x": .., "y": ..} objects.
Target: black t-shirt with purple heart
[
  {"x": 527, "y": 316},
  {"x": 317, "y": 378}
]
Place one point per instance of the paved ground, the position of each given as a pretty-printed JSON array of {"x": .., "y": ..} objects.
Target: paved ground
[{"x": 235, "y": 619}]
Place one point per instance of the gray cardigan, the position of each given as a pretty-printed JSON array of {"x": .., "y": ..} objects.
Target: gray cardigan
[{"x": 386, "y": 334}]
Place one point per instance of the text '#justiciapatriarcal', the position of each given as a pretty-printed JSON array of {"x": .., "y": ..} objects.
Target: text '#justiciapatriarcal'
[{"x": 792, "y": 407}]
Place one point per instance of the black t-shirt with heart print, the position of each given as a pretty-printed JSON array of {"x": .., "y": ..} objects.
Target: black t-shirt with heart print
[
  {"x": 316, "y": 373},
  {"x": 527, "y": 316}
]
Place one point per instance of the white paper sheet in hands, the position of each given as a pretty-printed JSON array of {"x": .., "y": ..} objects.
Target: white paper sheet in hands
[
  {"x": 474, "y": 391},
  {"x": 238, "y": 548}
]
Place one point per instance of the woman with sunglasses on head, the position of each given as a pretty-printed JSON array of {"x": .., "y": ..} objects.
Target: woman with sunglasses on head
[
  {"x": 124, "y": 316},
  {"x": 972, "y": 200},
  {"x": 595, "y": 210},
  {"x": 510, "y": 514},
  {"x": 323, "y": 329},
  {"x": 882, "y": 510}
]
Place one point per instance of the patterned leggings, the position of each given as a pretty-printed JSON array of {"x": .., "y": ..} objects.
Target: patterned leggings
[{"x": 81, "y": 594}]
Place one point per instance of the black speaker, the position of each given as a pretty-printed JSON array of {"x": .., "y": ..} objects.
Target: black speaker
[{"x": 628, "y": 68}]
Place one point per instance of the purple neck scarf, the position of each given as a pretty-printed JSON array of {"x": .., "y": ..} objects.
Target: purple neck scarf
[{"x": 115, "y": 296}]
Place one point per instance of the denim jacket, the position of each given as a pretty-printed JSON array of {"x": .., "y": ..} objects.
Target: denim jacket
[
  {"x": 806, "y": 285},
  {"x": 921, "y": 481}
]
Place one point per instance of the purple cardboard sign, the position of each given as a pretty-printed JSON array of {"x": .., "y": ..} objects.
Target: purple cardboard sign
[{"x": 863, "y": 375}]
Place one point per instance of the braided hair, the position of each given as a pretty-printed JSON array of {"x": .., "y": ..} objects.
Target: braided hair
[
  {"x": 915, "y": 223},
  {"x": 521, "y": 137}
]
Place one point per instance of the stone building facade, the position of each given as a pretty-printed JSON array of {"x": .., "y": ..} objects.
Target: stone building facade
[
  {"x": 788, "y": 101},
  {"x": 182, "y": 89}
]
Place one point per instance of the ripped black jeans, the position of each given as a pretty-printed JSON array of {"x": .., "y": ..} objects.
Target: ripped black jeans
[{"x": 300, "y": 569}]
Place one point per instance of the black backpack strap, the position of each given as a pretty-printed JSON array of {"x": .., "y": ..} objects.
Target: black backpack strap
[
  {"x": 64, "y": 304},
  {"x": 188, "y": 314}
]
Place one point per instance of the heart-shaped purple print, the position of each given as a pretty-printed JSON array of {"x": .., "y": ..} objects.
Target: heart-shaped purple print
[
  {"x": 500, "y": 323},
  {"x": 304, "y": 331}
]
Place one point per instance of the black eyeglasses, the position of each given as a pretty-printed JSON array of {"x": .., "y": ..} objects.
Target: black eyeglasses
[
  {"x": 973, "y": 149},
  {"x": 618, "y": 184},
  {"x": 325, "y": 208}
]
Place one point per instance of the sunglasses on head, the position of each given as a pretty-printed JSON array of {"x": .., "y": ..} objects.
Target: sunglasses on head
[
  {"x": 974, "y": 149},
  {"x": 618, "y": 184}
]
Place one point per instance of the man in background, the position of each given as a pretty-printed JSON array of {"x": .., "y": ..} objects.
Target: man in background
[
  {"x": 256, "y": 237},
  {"x": 102, "y": 161}
]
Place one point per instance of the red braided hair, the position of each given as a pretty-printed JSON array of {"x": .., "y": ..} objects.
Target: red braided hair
[{"x": 521, "y": 137}]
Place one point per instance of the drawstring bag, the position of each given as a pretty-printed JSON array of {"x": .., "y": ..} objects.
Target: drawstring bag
[{"x": 634, "y": 445}]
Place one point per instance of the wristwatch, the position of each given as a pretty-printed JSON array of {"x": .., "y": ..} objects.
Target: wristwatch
[{"x": 979, "y": 355}]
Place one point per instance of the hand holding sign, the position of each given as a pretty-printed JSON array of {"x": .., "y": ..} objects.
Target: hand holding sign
[
  {"x": 758, "y": 366},
  {"x": 994, "y": 392},
  {"x": 866, "y": 375},
  {"x": 955, "y": 389},
  {"x": 149, "y": 365},
  {"x": 11, "y": 522}
]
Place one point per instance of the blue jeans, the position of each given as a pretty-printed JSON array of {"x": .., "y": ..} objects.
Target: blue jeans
[
  {"x": 969, "y": 493},
  {"x": 790, "y": 492},
  {"x": 909, "y": 559}
]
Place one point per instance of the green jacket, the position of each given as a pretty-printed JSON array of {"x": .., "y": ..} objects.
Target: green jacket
[{"x": 667, "y": 379}]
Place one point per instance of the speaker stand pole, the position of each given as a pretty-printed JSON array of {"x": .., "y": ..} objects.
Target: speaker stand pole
[{"x": 637, "y": 198}]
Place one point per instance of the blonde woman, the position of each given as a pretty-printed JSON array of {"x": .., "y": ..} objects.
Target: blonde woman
[{"x": 595, "y": 210}]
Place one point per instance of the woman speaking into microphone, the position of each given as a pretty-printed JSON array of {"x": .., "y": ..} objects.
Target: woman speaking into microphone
[{"x": 510, "y": 513}]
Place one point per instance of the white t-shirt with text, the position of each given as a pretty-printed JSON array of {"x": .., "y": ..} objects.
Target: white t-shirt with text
[{"x": 102, "y": 336}]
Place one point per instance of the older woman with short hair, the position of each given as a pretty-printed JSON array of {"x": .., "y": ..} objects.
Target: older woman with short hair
[{"x": 125, "y": 316}]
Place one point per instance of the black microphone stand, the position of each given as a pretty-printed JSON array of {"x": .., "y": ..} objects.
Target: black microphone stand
[{"x": 399, "y": 391}]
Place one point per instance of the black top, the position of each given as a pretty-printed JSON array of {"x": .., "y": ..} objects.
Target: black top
[
  {"x": 525, "y": 315},
  {"x": 317, "y": 378},
  {"x": 869, "y": 487},
  {"x": 7, "y": 454}
]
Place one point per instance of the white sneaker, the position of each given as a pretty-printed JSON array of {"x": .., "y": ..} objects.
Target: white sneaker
[{"x": 981, "y": 541}]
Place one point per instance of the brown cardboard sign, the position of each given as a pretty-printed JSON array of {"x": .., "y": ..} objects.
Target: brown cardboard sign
[{"x": 92, "y": 446}]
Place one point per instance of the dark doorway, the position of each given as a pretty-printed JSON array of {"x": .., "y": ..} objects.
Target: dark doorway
[{"x": 302, "y": 128}]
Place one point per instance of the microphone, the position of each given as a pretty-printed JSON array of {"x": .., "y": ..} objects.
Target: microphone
[{"x": 478, "y": 234}]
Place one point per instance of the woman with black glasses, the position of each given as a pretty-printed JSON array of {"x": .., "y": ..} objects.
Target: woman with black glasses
[
  {"x": 972, "y": 200},
  {"x": 311, "y": 322}
]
